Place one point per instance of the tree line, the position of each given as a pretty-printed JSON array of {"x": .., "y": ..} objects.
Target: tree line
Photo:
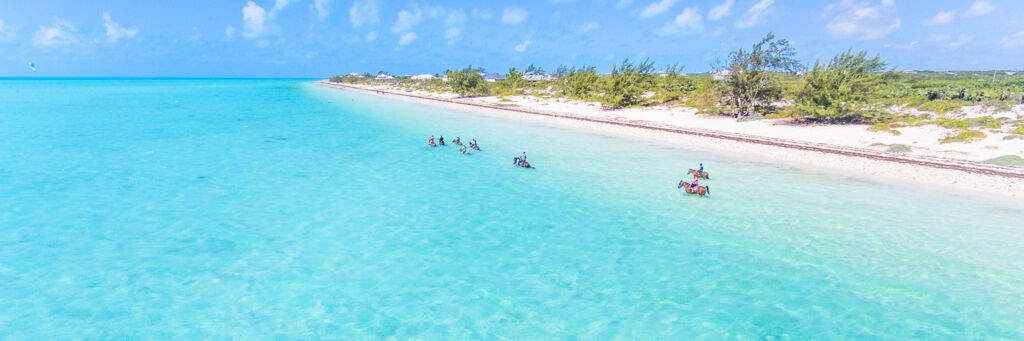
[{"x": 764, "y": 79}]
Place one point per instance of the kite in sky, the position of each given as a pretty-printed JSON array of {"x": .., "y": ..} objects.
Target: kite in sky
[{"x": 32, "y": 66}]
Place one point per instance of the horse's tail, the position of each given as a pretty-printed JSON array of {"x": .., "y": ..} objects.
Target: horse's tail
[{"x": 707, "y": 189}]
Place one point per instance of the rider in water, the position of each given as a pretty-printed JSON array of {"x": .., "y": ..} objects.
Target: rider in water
[
  {"x": 441, "y": 139},
  {"x": 457, "y": 140},
  {"x": 522, "y": 157},
  {"x": 694, "y": 186},
  {"x": 463, "y": 150},
  {"x": 431, "y": 139},
  {"x": 472, "y": 144},
  {"x": 701, "y": 168}
]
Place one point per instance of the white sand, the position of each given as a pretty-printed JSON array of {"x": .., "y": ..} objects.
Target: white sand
[{"x": 831, "y": 146}]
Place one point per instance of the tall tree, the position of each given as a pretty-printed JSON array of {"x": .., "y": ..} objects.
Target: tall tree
[
  {"x": 627, "y": 83},
  {"x": 751, "y": 82},
  {"x": 467, "y": 82},
  {"x": 840, "y": 91}
]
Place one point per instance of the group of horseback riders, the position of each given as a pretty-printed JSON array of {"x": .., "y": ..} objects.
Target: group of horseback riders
[
  {"x": 457, "y": 141},
  {"x": 694, "y": 187},
  {"x": 519, "y": 161}
]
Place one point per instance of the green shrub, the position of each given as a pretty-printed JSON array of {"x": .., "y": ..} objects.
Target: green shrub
[
  {"x": 839, "y": 91},
  {"x": 467, "y": 82},
  {"x": 884, "y": 127},
  {"x": 964, "y": 136},
  {"x": 899, "y": 148},
  {"x": 941, "y": 106},
  {"x": 1007, "y": 160},
  {"x": 625, "y": 85}
]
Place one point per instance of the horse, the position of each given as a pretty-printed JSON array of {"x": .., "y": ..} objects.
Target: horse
[
  {"x": 523, "y": 163},
  {"x": 703, "y": 175},
  {"x": 432, "y": 144},
  {"x": 701, "y": 190}
]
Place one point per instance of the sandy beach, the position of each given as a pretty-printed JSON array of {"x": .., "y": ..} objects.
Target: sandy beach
[{"x": 813, "y": 148}]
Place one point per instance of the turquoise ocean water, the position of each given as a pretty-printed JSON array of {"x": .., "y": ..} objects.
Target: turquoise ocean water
[{"x": 257, "y": 209}]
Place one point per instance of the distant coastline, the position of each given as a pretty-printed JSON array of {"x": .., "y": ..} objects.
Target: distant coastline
[{"x": 959, "y": 175}]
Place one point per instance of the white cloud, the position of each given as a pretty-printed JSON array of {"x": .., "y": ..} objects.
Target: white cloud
[
  {"x": 115, "y": 31},
  {"x": 1014, "y": 41},
  {"x": 484, "y": 14},
  {"x": 623, "y": 4},
  {"x": 407, "y": 38},
  {"x": 964, "y": 39},
  {"x": 323, "y": 8},
  {"x": 687, "y": 22},
  {"x": 229, "y": 32},
  {"x": 656, "y": 8},
  {"x": 455, "y": 18},
  {"x": 60, "y": 34},
  {"x": 720, "y": 11},
  {"x": 522, "y": 47},
  {"x": 278, "y": 6},
  {"x": 590, "y": 26},
  {"x": 254, "y": 17},
  {"x": 861, "y": 20},
  {"x": 371, "y": 36},
  {"x": 979, "y": 8},
  {"x": 363, "y": 12},
  {"x": 6, "y": 32},
  {"x": 513, "y": 15},
  {"x": 406, "y": 20},
  {"x": 754, "y": 14},
  {"x": 451, "y": 34},
  {"x": 939, "y": 37},
  {"x": 941, "y": 18}
]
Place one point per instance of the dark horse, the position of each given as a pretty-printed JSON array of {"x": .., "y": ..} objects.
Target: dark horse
[
  {"x": 703, "y": 175},
  {"x": 523, "y": 163},
  {"x": 701, "y": 190}
]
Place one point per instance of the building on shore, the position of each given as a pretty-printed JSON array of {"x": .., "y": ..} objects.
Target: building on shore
[
  {"x": 384, "y": 75},
  {"x": 494, "y": 77},
  {"x": 720, "y": 75},
  {"x": 423, "y": 77},
  {"x": 536, "y": 77}
]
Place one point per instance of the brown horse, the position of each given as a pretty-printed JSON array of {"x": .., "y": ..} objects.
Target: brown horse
[
  {"x": 433, "y": 144},
  {"x": 703, "y": 175},
  {"x": 701, "y": 190},
  {"x": 523, "y": 164}
]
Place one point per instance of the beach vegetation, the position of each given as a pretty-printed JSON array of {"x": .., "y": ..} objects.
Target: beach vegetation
[
  {"x": 467, "y": 82},
  {"x": 1007, "y": 160},
  {"x": 751, "y": 86},
  {"x": 963, "y": 136},
  {"x": 839, "y": 92},
  {"x": 627, "y": 83},
  {"x": 580, "y": 83},
  {"x": 513, "y": 80},
  {"x": 899, "y": 148},
  {"x": 884, "y": 127}
]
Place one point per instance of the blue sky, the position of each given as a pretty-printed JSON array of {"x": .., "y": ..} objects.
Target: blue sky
[{"x": 315, "y": 38}]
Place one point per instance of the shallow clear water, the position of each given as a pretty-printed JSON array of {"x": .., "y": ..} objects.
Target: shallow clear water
[{"x": 254, "y": 209}]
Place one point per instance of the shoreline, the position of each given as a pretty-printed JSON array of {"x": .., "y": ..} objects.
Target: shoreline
[{"x": 946, "y": 174}]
